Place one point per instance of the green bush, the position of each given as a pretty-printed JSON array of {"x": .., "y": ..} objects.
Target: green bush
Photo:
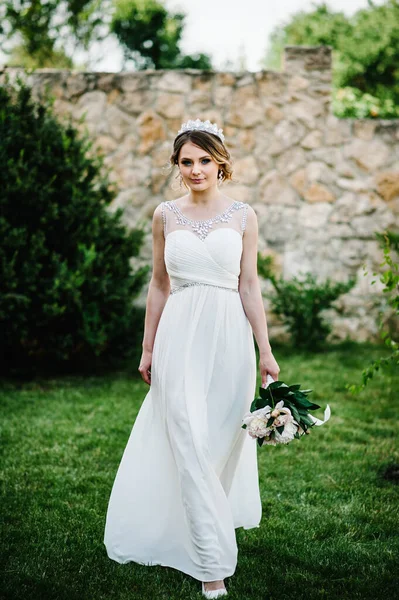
[
  {"x": 67, "y": 284},
  {"x": 299, "y": 303},
  {"x": 389, "y": 241},
  {"x": 349, "y": 102}
]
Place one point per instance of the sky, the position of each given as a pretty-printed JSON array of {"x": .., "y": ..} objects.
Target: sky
[
  {"x": 227, "y": 30},
  {"x": 230, "y": 29}
]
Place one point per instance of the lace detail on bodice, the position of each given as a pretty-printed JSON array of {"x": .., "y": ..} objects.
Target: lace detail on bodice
[{"x": 204, "y": 227}]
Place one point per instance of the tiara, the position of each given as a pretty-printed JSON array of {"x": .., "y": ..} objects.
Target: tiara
[{"x": 202, "y": 126}]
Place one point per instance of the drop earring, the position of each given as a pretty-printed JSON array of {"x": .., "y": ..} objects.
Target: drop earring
[
  {"x": 220, "y": 177},
  {"x": 177, "y": 188},
  {"x": 183, "y": 182}
]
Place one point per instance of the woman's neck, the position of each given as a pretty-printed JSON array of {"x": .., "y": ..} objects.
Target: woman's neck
[{"x": 206, "y": 198}]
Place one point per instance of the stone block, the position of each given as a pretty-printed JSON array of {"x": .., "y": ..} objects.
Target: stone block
[
  {"x": 387, "y": 184},
  {"x": 307, "y": 59},
  {"x": 274, "y": 189}
]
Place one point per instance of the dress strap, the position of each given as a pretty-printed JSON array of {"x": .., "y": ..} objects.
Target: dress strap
[
  {"x": 163, "y": 219},
  {"x": 244, "y": 218}
]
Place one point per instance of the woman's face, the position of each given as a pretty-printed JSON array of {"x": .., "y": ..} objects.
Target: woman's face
[{"x": 196, "y": 164}]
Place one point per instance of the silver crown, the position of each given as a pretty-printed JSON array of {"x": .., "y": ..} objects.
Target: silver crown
[{"x": 202, "y": 126}]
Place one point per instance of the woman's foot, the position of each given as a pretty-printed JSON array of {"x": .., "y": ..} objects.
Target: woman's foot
[
  {"x": 214, "y": 589},
  {"x": 214, "y": 585}
]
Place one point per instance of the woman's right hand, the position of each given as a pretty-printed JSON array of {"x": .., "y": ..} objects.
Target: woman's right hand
[{"x": 145, "y": 366}]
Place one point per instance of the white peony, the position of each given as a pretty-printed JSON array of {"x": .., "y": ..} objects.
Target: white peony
[
  {"x": 289, "y": 431},
  {"x": 290, "y": 425},
  {"x": 257, "y": 427},
  {"x": 256, "y": 423},
  {"x": 261, "y": 412}
]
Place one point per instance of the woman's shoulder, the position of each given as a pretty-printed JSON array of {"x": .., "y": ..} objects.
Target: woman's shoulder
[
  {"x": 159, "y": 214},
  {"x": 243, "y": 205},
  {"x": 234, "y": 202}
]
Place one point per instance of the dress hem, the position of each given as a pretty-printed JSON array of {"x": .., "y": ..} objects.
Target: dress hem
[
  {"x": 217, "y": 577},
  {"x": 247, "y": 526}
]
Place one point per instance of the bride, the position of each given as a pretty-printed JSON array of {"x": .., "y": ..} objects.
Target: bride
[{"x": 188, "y": 476}]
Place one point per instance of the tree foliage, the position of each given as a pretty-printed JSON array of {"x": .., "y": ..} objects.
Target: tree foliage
[
  {"x": 37, "y": 34},
  {"x": 365, "y": 47},
  {"x": 150, "y": 36},
  {"x": 45, "y": 29},
  {"x": 66, "y": 282}
]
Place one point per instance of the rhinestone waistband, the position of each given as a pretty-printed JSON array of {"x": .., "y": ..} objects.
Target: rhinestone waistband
[{"x": 190, "y": 283}]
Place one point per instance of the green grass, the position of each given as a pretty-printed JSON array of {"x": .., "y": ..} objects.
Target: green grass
[{"x": 330, "y": 519}]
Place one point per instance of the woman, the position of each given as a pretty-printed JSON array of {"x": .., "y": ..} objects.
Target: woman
[{"x": 189, "y": 476}]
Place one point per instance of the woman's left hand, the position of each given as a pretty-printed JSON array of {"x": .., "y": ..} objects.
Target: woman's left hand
[{"x": 268, "y": 365}]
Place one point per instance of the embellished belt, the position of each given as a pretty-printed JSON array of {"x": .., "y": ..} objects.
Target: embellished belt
[{"x": 190, "y": 283}]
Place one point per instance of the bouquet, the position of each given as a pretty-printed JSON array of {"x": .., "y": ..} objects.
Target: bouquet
[{"x": 281, "y": 413}]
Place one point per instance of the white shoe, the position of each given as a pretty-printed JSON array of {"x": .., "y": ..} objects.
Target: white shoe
[{"x": 213, "y": 593}]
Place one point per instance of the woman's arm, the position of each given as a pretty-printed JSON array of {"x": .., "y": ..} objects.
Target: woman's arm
[
  {"x": 158, "y": 293},
  {"x": 251, "y": 296}
]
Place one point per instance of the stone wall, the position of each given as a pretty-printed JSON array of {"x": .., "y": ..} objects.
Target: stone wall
[{"x": 321, "y": 186}]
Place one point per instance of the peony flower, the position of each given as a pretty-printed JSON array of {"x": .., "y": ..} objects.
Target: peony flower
[
  {"x": 258, "y": 427},
  {"x": 256, "y": 422},
  {"x": 289, "y": 431},
  {"x": 261, "y": 412}
]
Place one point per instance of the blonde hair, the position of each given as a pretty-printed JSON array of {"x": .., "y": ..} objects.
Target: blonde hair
[{"x": 208, "y": 142}]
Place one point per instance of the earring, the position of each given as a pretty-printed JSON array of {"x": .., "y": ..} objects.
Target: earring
[
  {"x": 220, "y": 177},
  {"x": 174, "y": 188},
  {"x": 182, "y": 182}
]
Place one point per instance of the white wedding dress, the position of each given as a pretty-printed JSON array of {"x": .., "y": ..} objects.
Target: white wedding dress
[{"x": 189, "y": 474}]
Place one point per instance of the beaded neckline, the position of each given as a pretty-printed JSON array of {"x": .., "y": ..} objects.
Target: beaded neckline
[
  {"x": 202, "y": 228},
  {"x": 192, "y": 221}
]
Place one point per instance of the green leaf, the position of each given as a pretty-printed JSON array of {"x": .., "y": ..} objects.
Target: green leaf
[
  {"x": 265, "y": 395},
  {"x": 305, "y": 419},
  {"x": 295, "y": 413},
  {"x": 294, "y": 387}
]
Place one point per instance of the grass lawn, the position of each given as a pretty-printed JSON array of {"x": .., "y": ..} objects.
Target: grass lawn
[{"x": 330, "y": 525}]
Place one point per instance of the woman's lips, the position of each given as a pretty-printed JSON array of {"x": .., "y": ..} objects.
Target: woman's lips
[{"x": 197, "y": 180}]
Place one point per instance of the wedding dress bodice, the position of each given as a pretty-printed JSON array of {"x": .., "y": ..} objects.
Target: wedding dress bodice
[{"x": 204, "y": 252}]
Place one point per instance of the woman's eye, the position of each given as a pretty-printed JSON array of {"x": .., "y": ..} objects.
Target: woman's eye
[{"x": 187, "y": 162}]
